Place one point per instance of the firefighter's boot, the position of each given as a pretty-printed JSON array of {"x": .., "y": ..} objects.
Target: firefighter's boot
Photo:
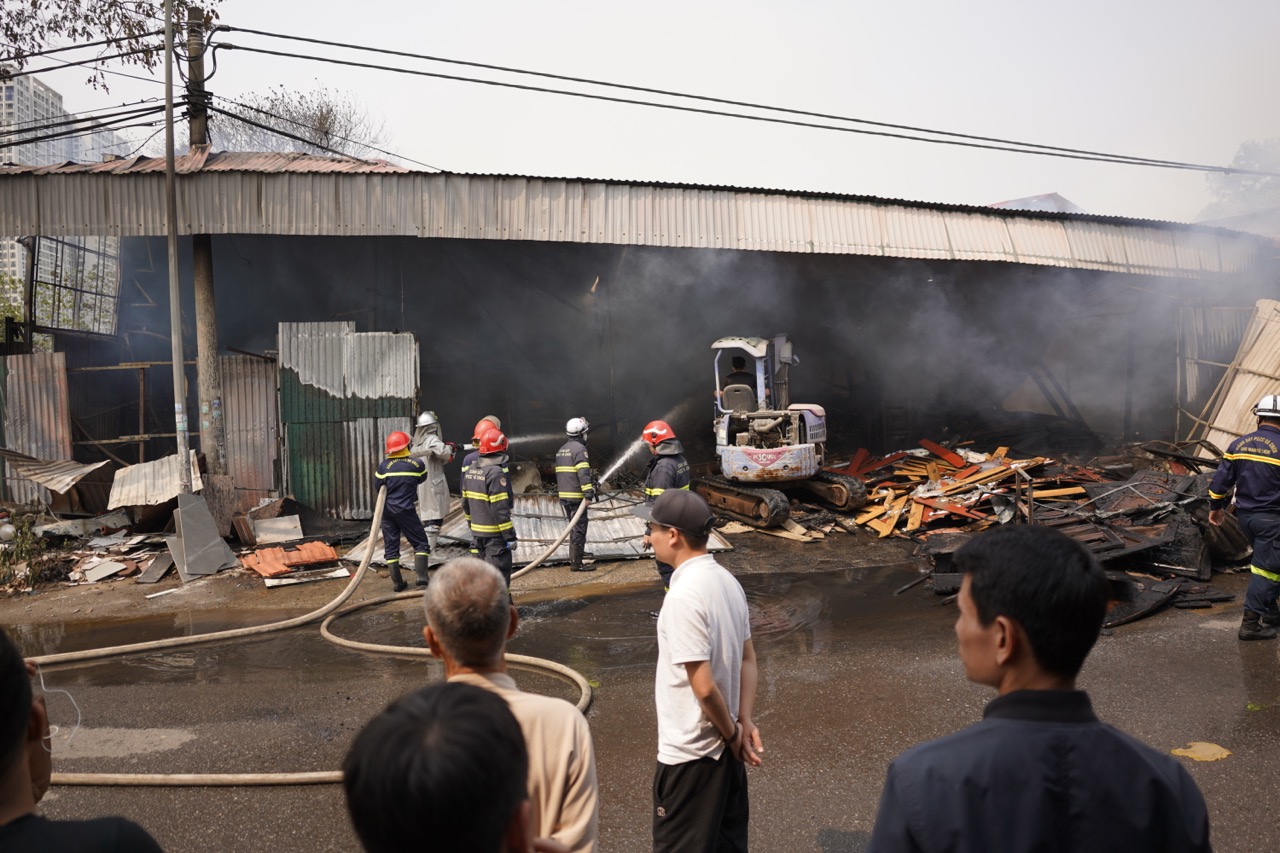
[
  {"x": 397, "y": 581},
  {"x": 1251, "y": 628},
  {"x": 575, "y": 560},
  {"x": 433, "y": 537},
  {"x": 420, "y": 565}
]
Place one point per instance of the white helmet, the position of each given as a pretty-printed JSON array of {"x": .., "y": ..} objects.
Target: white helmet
[
  {"x": 427, "y": 419},
  {"x": 1268, "y": 407},
  {"x": 577, "y": 426}
]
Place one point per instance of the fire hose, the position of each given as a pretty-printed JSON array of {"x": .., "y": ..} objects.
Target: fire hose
[{"x": 329, "y": 614}]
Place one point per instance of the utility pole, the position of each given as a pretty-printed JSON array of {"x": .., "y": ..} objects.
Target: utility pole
[
  {"x": 208, "y": 373},
  {"x": 175, "y": 296}
]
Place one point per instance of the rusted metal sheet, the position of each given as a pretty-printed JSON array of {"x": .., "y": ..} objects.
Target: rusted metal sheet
[
  {"x": 238, "y": 193},
  {"x": 250, "y": 422},
  {"x": 151, "y": 483},
  {"x": 37, "y": 417},
  {"x": 55, "y": 476},
  {"x": 341, "y": 392}
]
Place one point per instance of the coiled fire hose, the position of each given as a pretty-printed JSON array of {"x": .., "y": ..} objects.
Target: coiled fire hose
[{"x": 327, "y": 612}]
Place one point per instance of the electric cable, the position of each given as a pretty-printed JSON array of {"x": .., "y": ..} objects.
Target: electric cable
[
  {"x": 23, "y": 57},
  {"x": 954, "y": 138},
  {"x": 328, "y": 610},
  {"x": 29, "y": 71},
  {"x": 79, "y": 132},
  {"x": 335, "y": 136},
  {"x": 277, "y": 131},
  {"x": 72, "y": 120}
]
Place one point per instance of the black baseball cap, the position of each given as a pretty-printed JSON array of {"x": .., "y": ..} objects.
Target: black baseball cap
[{"x": 683, "y": 510}]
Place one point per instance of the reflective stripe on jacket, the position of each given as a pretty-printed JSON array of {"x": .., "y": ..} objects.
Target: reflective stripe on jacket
[
  {"x": 1251, "y": 466},
  {"x": 573, "y": 471},
  {"x": 401, "y": 475},
  {"x": 665, "y": 471},
  {"x": 486, "y": 498}
]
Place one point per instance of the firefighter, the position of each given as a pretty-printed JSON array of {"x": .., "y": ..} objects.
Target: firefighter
[
  {"x": 433, "y": 493},
  {"x": 486, "y": 502},
  {"x": 667, "y": 470},
  {"x": 1251, "y": 466},
  {"x": 573, "y": 480},
  {"x": 401, "y": 474}
]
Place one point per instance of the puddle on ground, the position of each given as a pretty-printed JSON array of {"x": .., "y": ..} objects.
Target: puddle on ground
[{"x": 809, "y": 614}]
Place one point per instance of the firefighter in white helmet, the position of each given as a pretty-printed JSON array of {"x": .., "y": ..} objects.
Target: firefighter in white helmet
[
  {"x": 1251, "y": 467},
  {"x": 433, "y": 493},
  {"x": 574, "y": 483}
]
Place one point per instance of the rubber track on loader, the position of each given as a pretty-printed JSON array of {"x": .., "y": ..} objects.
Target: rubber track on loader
[
  {"x": 776, "y": 506},
  {"x": 857, "y": 489}
]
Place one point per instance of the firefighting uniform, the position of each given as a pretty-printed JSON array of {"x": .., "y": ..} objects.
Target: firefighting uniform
[
  {"x": 467, "y": 462},
  {"x": 1251, "y": 466},
  {"x": 573, "y": 481},
  {"x": 401, "y": 474},
  {"x": 667, "y": 470},
  {"x": 486, "y": 502}
]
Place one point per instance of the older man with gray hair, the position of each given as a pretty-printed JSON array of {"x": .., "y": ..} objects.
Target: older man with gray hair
[{"x": 469, "y": 620}]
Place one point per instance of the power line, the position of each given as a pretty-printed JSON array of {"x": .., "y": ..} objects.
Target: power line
[
  {"x": 78, "y": 132},
  {"x": 29, "y": 71},
  {"x": 74, "y": 120},
  {"x": 1100, "y": 158},
  {"x": 286, "y": 134},
  {"x": 1023, "y": 147},
  {"x": 23, "y": 57},
  {"x": 335, "y": 136}
]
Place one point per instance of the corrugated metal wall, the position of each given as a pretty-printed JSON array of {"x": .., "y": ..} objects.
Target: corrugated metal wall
[
  {"x": 341, "y": 392},
  {"x": 505, "y": 207},
  {"x": 37, "y": 416},
  {"x": 252, "y": 426}
]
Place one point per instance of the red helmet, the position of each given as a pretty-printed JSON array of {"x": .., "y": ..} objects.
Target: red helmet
[
  {"x": 492, "y": 441},
  {"x": 483, "y": 425},
  {"x": 396, "y": 442},
  {"x": 656, "y": 432}
]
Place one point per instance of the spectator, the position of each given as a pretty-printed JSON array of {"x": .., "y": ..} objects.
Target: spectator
[
  {"x": 1040, "y": 771},
  {"x": 25, "y": 769},
  {"x": 441, "y": 769},
  {"x": 704, "y": 687},
  {"x": 469, "y": 620}
]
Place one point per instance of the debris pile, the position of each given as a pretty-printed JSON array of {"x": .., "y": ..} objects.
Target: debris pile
[{"x": 1147, "y": 525}]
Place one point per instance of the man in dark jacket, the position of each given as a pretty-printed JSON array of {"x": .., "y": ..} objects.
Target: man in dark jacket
[
  {"x": 573, "y": 482},
  {"x": 401, "y": 474},
  {"x": 1040, "y": 772},
  {"x": 486, "y": 502},
  {"x": 667, "y": 470},
  {"x": 1251, "y": 467}
]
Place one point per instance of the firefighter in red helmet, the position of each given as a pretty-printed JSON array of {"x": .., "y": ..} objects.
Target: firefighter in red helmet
[
  {"x": 667, "y": 470},
  {"x": 486, "y": 502},
  {"x": 401, "y": 474}
]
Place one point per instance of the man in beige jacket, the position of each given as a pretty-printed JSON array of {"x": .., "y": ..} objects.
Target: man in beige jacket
[{"x": 469, "y": 620}]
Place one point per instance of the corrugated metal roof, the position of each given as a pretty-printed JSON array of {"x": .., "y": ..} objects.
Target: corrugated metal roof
[
  {"x": 201, "y": 159},
  {"x": 150, "y": 483},
  {"x": 55, "y": 476},
  {"x": 37, "y": 416},
  {"x": 612, "y": 534},
  {"x": 235, "y": 193}
]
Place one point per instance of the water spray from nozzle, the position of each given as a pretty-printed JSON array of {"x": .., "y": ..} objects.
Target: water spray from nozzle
[{"x": 635, "y": 446}]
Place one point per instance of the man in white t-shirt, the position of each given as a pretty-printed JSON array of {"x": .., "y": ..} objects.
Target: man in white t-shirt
[{"x": 704, "y": 687}]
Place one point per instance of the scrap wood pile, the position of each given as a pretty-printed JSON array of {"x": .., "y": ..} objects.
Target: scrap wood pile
[{"x": 1146, "y": 525}]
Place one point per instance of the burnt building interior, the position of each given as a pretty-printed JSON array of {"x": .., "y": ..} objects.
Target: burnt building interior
[{"x": 1048, "y": 360}]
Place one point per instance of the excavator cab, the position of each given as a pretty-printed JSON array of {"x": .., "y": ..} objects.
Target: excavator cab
[
  {"x": 764, "y": 441},
  {"x": 760, "y": 436}
]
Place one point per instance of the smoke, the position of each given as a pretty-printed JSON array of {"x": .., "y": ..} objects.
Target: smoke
[{"x": 538, "y": 332}]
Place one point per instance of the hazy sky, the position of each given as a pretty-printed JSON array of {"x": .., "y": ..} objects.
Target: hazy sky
[{"x": 1176, "y": 80}]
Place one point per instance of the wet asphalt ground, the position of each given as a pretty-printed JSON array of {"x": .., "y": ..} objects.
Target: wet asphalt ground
[{"x": 850, "y": 675}]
